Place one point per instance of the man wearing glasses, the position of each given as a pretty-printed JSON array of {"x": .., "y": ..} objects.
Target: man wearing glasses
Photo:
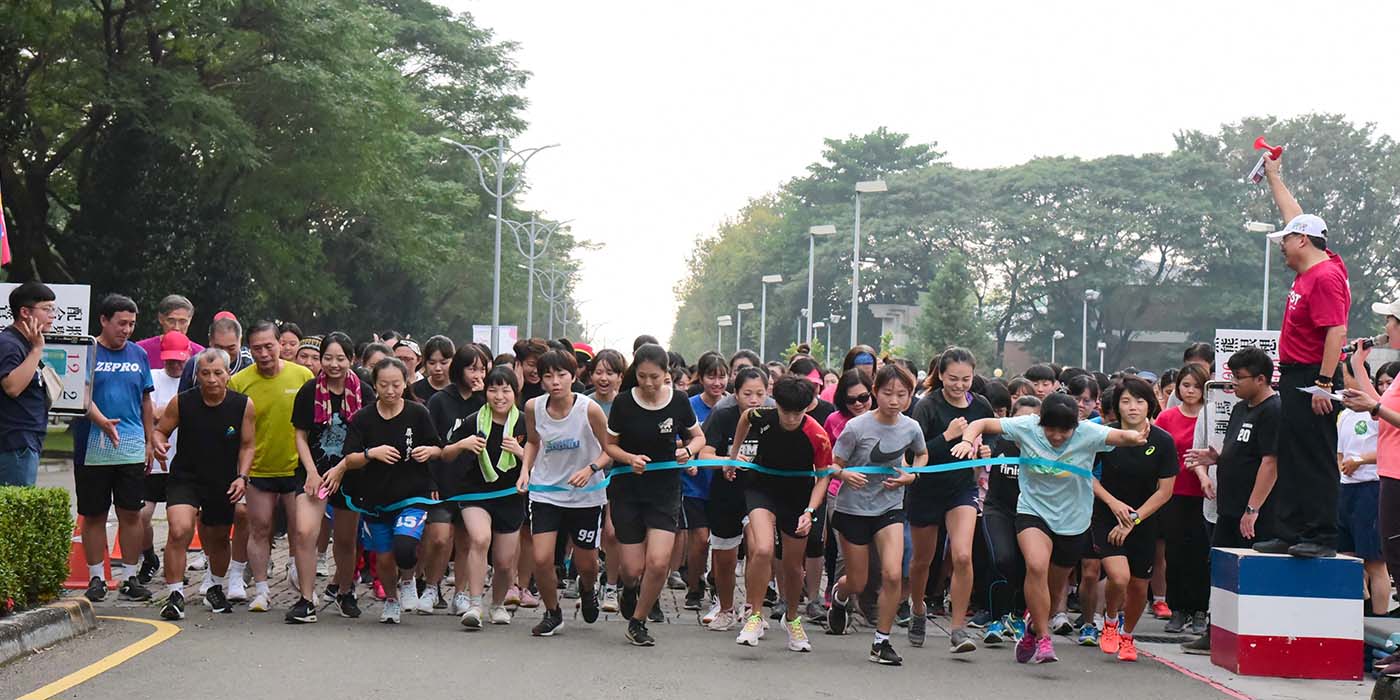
[{"x": 24, "y": 404}]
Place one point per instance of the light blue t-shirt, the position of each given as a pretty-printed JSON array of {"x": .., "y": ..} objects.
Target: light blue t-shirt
[
  {"x": 1065, "y": 501},
  {"x": 120, "y": 381},
  {"x": 698, "y": 486}
]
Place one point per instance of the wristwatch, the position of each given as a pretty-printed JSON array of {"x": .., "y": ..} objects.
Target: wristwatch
[
  {"x": 809, "y": 511},
  {"x": 594, "y": 467},
  {"x": 1250, "y": 510},
  {"x": 1375, "y": 411},
  {"x": 244, "y": 477},
  {"x": 1134, "y": 517}
]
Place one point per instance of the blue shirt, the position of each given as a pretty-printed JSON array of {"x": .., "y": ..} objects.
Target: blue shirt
[
  {"x": 1065, "y": 501},
  {"x": 23, "y": 419},
  {"x": 698, "y": 486},
  {"x": 120, "y": 381}
]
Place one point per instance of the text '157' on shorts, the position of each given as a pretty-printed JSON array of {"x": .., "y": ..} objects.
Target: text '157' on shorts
[
  {"x": 380, "y": 530},
  {"x": 581, "y": 525}
]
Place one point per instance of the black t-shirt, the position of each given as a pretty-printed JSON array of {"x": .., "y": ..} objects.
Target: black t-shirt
[
  {"x": 326, "y": 440},
  {"x": 801, "y": 450},
  {"x": 466, "y": 476},
  {"x": 1131, "y": 473},
  {"x": 1250, "y": 437},
  {"x": 933, "y": 413},
  {"x": 529, "y": 391},
  {"x": 822, "y": 411},
  {"x": 1004, "y": 480},
  {"x": 423, "y": 391},
  {"x": 719, "y": 429},
  {"x": 651, "y": 432},
  {"x": 450, "y": 413},
  {"x": 381, "y": 484}
]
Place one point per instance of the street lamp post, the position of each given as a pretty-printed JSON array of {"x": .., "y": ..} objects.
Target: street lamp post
[
  {"x": 763, "y": 316},
  {"x": 537, "y": 233},
  {"x": 1090, "y": 295},
  {"x": 553, "y": 276},
  {"x": 1101, "y": 346},
  {"x": 1266, "y": 229},
  {"x": 721, "y": 323},
  {"x": 812, "y": 233},
  {"x": 832, "y": 320},
  {"x": 739, "y": 325},
  {"x": 1057, "y": 335},
  {"x": 498, "y": 159},
  {"x": 816, "y": 326},
  {"x": 865, "y": 186}
]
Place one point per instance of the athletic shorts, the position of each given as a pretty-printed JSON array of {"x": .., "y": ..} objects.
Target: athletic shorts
[
  {"x": 445, "y": 513},
  {"x": 99, "y": 487},
  {"x": 507, "y": 512},
  {"x": 1066, "y": 550},
  {"x": 379, "y": 531},
  {"x": 278, "y": 484},
  {"x": 816, "y": 539},
  {"x": 582, "y": 525},
  {"x": 693, "y": 513},
  {"x": 210, "y": 498},
  {"x": 860, "y": 529},
  {"x": 154, "y": 487},
  {"x": 929, "y": 510},
  {"x": 725, "y": 512},
  {"x": 786, "y": 513},
  {"x": 631, "y": 518},
  {"x": 1140, "y": 547},
  {"x": 1358, "y": 509}
]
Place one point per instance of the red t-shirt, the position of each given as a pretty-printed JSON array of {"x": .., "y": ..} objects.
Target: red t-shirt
[
  {"x": 1320, "y": 299},
  {"x": 1183, "y": 432}
]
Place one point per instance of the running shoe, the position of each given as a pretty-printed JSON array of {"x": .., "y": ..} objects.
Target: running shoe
[
  {"x": 571, "y": 589},
  {"x": 709, "y": 616},
  {"x": 836, "y": 617},
  {"x": 638, "y": 635},
  {"x": 215, "y": 599},
  {"x": 427, "y": 601},
  {"x": 174, "y": 607},
  {"x": 1044, "y": 651},
  {"x": 1025, "y": 648},
  {"x": 905, "y": 612},
  {"x": 751, "y": 632},
  {"x": 500, "y": 615},
  {"x": 332, "y": 590},
  {"x": 918, "y": 629},
  {"x": 301, "y": 612},
  {"x": 1200, "y": 623},
  {"x": 779, "y": 610},
  {"x": 472, "y": 618},
  {"x": 1110, "y": 640},
  {"x": 197, "y": 561},
  {"x": 347, "y": 605},
  {"x": 97, "y": 590},
  {"x": 323, "y": 569},
  {"x": 1127, "y": 650},
  {"x": 675, "y": 581},
  {"x": 1160, "y": 610},
  {"x": 995, "y": 635},
  {"x": 131, "y": 589},
  {"x": 378, "y": 588},
  {"x": 1178, "y": 623},
  {"x": 528, "y": 599},
  {"x": 693, "y": 600},
  {"x": 550, "y": 624},
  {"x": 610, "y": 599},
  {"x": 1017, "y": 627},
  {"x": 655, "y": 615},
  {"x": 816, "y": 612},
  {"x": 588, "y": 602},
  {"x": 460, "y": 603},
  {"x": 797, "y": 637},
  {"x": 1060, "y": 624},
  {"x": 723, "y": 621},
  {"x": 512, "y": 599},
  {"x": 150, "y": 563},
  {"x": 960, "y": 642},
  {"x": 390, "y": 614},
  {"x": 237, "y": 589},
  {"x": 770, "y": 596},
  {"x": 628, "y": 605},
  {"x": 883, "y": 653},
  {"x": 1199, "y": 646},
  {"x": 259, "y": 603},
  {"x": 981, "y": 619},
  {"x": 408, "y": 595},
  {"x": 1088, "y": 636}
]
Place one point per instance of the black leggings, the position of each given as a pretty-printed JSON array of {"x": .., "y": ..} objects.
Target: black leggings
[
  {"x": 1188, "y": 555},
  {"x": 1008, "y": 569}
]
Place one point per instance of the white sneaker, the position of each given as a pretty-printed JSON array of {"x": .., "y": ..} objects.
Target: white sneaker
[
  {"x": 797, "y": 637},
  {"x": 237, "y": 589},
  {"x": 323, "y": 569},
  {"x": 408, "y": 595},
  {"x": 427, "y": 600},
  {"x": 459, "y": 604},
  {"x": 1059, "y": 624},
  {"x": 471, "y": 619},
  {"x": 500, "y": 615},
  {"x": 197, "y": 561},
  {"x": 512, "y": 600},
  {"x": 390, "y": 615},
  {"x": 259, "y": 603},
  {"x": 723, "y": 622},
  {"x": 610, "y": 599},
  {"x": 751, "y": 632},
  {"x": 710, "y": 616}
]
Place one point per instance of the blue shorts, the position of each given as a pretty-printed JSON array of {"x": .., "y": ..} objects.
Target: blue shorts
[
  {"x": 1358, "y": 507},
  {"x": 19, "y": 467},
  {"x": 379, "y": 531}
]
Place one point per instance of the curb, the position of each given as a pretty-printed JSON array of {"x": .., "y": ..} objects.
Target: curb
[{"x": 35, "y": 629}]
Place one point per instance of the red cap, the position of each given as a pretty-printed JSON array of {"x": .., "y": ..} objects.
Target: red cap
[
  {"x": 174, "y": 346},
  {"x": 225, "y": 314}
]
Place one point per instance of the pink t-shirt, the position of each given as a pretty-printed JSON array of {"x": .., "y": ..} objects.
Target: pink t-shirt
[
  {"x": 1183, "y": 431},
  {"x": 152, "y": 347},
  {"x": 835, "y": 423},
  {"x": 1388, "y": 438}
]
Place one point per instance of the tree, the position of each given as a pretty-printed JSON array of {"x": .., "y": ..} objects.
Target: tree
[{"x": 949, "y": 314}]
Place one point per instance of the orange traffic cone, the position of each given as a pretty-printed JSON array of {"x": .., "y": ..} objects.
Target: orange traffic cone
[
  {"x": 195, "y": 543},
  {"x": 77, "y": 563},
  {"x": 117, "y": 545}
]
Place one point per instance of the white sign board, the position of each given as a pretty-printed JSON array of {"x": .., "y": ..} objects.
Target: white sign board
[
  {"x": 509, "y": 334},
  {"x": 72, "y": 357},
  {"x": 74, "y": 304},
  {"x": 1229, "y": 341},
  {"x": 1220, "y": 400}
]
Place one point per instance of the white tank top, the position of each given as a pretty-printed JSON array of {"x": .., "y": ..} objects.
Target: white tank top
[{"x": 566, "y": 446}]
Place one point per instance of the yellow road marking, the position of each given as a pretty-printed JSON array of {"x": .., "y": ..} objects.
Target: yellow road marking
[{"x": 164, "y": 631}]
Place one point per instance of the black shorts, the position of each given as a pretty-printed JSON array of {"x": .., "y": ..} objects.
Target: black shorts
[
  {"x": 816, "y": 539},
  {"x": 725, "y": 511},
  {"x": 99, "y": 487},
  {"x": 444, "y": 513},
  {"x": 1066, "y": 550},
  {"x": 693, "y": 513},
  {"x": 860, "y": 529},
  {"x": 1140, "y": 547},
  {"x": 786, "y": 512},
  {"x": 930, "y": 509},
  {"x": 278, "y": 484},
  {"x": 155, "y": 487},
  {"x": 507, "y": 513},
  {"x": 632, "y": 517},
  {"x": 210, "y": 498},
  {"x": 582, "y": 525}
]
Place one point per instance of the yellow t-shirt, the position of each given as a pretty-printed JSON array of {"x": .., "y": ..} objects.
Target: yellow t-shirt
[{"x": 276, "y": 453}]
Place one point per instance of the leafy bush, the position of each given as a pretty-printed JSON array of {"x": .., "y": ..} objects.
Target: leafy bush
[{"x": 36, "y": 528}]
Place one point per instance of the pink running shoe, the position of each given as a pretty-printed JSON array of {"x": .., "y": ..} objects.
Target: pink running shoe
[
  {"x": 1025, "y": 648},
  {"x": 1044, "y": 651}
]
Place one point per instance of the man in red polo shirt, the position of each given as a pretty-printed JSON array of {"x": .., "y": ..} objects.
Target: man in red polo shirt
[{"x": 1310, "y": 347}]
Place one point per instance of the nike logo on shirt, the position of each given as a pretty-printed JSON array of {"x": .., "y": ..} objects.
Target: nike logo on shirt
[{"x": 878, "y": 456}]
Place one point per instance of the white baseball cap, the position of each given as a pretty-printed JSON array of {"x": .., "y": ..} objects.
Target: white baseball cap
[
  {"x": 1306, "y": 224},
  {"x": 1384, "y": 309}
]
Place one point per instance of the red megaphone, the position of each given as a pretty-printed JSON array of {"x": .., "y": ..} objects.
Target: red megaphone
[{"x": 1274, "y": 151}]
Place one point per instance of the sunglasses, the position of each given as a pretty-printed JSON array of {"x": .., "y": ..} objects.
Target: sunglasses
[{"x": 858, "y": 399}]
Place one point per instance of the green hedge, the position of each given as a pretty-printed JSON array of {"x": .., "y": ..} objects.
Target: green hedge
[{"x": 36, "y": 528}]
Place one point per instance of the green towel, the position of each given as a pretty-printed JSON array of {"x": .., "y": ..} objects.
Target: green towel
[{"x": 489, "y": 471}]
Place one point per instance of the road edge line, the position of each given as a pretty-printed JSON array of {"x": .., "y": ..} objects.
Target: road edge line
[{"x": 164, "y": 631}]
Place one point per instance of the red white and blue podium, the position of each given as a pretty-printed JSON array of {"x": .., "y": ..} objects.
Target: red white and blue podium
[{"x": 1276, "y": 615}]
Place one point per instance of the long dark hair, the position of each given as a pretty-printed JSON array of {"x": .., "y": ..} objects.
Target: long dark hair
[
  {"x": 648, "y": 352},
  {"x": 934, "y": 381},
  {"x": 850, "y": 379}
]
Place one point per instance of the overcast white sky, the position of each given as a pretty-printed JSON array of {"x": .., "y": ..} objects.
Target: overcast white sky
[{"x": 671, "y": 116}]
